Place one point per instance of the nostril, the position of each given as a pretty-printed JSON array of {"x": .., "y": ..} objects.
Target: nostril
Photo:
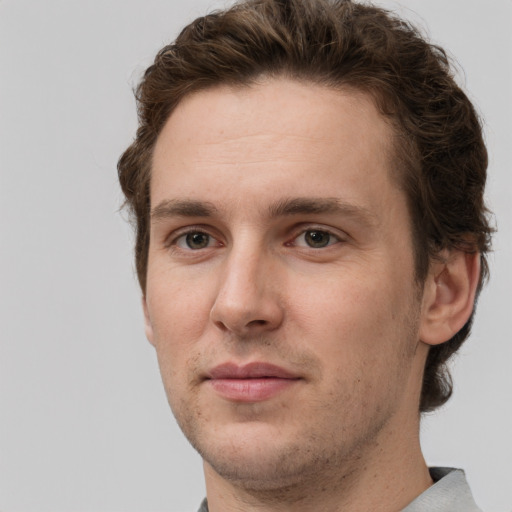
[
  {"x": 256, "y": 314},
  {"x": 258, "y": 322}
]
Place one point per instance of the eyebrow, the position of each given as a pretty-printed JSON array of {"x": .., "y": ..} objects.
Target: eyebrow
[
  {"x": 182, "y": 208},
  {"x": 314, "y": 206},
  {"x": 285, "y": 207}
]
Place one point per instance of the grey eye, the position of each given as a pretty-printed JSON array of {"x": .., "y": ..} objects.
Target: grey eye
[
  {"x": 317, "y": 239},
  {"x": 194, "y": 240},
  {"x": 198, "y": 240}
]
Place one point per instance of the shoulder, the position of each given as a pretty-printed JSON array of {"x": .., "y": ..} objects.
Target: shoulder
[{"x": 449, "y": 493}]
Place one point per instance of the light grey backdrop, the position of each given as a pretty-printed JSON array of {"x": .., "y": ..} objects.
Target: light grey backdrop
[{"x": 84, "y": 424}]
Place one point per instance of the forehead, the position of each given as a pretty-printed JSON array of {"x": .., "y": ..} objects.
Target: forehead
[
  {"x": 276, "y": 135},
  {"x": 271, "y": 106}
]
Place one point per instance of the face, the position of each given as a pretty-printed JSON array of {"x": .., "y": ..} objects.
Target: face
[{"x": 281, "y": 297}]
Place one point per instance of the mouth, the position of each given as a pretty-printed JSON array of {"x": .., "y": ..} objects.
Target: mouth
[{"x": 253, "y": 382}]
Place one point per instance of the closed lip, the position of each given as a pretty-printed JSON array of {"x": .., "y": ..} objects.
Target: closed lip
[
  {"x": 254, "y": 370},
  {"x": 250, "y": 383}
]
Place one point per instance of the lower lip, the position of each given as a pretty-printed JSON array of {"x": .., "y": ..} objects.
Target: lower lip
[{"x": 250, "y": 390}]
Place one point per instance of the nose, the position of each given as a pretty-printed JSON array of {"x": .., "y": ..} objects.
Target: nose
[{"x": 248, "y": 301}]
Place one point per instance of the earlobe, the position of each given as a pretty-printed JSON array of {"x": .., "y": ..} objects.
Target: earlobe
[
  {"x": 449, "y": 295},
  {"x": 148, "y": 326}
]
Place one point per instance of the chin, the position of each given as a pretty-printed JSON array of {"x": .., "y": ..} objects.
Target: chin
[
  {"x": 258, "y": 459},
  {"x": 261, "y": 470}
]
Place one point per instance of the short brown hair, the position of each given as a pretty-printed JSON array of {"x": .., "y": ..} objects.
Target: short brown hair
[{"x": 338, "y": 43}]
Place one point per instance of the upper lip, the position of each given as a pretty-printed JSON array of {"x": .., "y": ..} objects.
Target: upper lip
[{"x": 253, "y": 370}]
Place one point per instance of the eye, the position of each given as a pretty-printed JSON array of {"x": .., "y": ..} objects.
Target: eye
[
  {"x": 194, "y": 240},
  {"x": 316, "y": 239}
]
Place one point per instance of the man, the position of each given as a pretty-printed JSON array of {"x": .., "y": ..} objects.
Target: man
[{"x": 307, "y": 184}]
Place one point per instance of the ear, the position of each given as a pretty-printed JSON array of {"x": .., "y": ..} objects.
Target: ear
[
  {"x": 148, "y": 326},
  {"x": 448, "y": 295}
]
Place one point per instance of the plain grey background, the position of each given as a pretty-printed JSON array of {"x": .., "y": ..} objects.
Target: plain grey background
[{"x": 84, "y": 423}]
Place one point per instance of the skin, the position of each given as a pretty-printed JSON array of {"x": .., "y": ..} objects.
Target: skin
[{"x": 249, "y": 174}]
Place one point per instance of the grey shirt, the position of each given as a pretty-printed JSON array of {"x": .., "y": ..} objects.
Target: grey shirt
[{"x": 450, "y": 493}]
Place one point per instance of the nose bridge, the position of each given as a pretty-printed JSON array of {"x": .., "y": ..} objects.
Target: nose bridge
[{"x": 247, "y": 297}]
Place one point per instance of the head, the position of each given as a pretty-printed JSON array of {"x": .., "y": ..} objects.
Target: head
[{"x": 437, "y": 148}]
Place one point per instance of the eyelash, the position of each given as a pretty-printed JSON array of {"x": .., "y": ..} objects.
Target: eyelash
[
  {"x": 332, "y": 240},
  {"x": 199, "y": 230},
  {"x": 174, "y": 242}
]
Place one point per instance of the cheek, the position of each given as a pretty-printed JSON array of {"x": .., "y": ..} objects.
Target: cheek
[
  {"x": 356, "y": 320},
  {"x": 179, "y": 316}
]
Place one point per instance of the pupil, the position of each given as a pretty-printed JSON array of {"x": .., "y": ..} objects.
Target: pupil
[
  {"x": 317, "y": 238},
  {"x": 197, "y": 240}
]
